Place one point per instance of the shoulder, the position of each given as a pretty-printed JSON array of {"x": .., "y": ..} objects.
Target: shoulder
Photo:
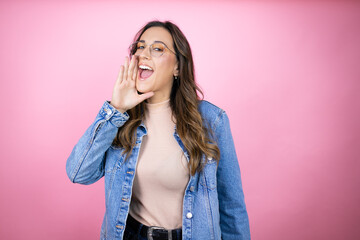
[
  {"x": 206, "y": 107},
  {"x": 211, "y": 113}
]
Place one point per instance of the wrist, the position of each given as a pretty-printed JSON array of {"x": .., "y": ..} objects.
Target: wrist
[
  {"x": 118, "y": 108},
  {"x": 121, "y": 110}
]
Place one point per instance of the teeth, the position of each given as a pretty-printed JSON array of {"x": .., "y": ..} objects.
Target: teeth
[{"x": 145, "y": 67}]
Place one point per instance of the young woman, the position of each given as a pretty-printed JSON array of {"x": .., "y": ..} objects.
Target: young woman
[{"x": 168, "y": 158}]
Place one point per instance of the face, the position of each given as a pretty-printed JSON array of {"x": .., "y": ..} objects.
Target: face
[{"x": 160, "y": 78}]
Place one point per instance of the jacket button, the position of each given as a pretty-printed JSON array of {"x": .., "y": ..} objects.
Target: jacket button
[
  {"x": 192, "y": 188},
  {"x": 189, "y": 215},
  {"x": 209, "y": 158},
  {"x": 108, "y": 111}
]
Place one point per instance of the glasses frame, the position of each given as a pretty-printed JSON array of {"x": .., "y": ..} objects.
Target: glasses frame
[{"x": 133, "y": 45}]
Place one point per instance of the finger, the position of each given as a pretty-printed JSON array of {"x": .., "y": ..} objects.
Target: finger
[
  {"x": 135, "y": 70},
  {"x": 131, "y": 67},
  {"x": 120, "y": 75},
  {"x": 135, "y": 74},
  {"x": 126, "y": 66},
  {"x": 145, "y": 96}
]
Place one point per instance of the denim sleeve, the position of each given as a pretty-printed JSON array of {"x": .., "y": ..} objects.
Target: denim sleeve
[
  {"x": 86, "y": 162},
  {"x": 234, "y": 221}
]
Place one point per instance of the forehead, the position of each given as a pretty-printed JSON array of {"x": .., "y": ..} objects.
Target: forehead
[{"x": 157, "y": 34}]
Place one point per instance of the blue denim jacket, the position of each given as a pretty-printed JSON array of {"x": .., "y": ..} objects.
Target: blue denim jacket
[{"x": 213, "y": 205}]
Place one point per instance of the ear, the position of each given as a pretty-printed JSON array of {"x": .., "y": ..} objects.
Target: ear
[{"x": 176, "y": 69}]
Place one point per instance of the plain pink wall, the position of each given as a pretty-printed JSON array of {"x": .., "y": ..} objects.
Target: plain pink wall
[{"x": 287, "y": 73}]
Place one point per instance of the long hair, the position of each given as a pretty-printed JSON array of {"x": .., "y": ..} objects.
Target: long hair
[{"x": 184, "y": 100}]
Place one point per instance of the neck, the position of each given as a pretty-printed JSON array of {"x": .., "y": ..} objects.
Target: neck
[
  {"x": 158, "y": 98},
  {"x": 158, "y": 107}
]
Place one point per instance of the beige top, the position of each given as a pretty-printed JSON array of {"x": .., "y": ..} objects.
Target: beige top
[{"x": 161, "y": 174}]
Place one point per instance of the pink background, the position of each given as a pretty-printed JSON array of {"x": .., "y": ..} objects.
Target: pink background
[{"x": 286, "y": 72}]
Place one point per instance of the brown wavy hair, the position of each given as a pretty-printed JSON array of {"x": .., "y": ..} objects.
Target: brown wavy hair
[{"x": 184, "y": 100}]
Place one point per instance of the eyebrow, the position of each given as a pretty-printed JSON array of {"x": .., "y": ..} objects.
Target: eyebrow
[{"x": 143, "y": 41}]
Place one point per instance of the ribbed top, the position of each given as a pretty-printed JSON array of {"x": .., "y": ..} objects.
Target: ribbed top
[
  {"x": 158, "y": 107},
  {"x": 161, "y": 174}
]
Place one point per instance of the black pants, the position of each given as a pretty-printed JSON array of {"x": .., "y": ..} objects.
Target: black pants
[{"x": 136, "y": 231}]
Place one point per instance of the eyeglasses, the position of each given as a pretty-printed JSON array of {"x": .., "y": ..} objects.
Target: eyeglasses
[{"x": 157, "y": 49}]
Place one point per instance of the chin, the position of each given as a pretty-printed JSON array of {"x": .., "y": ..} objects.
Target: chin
[
  {"x": 143, "y": 87},
  {"x": 142, "y": 90}
]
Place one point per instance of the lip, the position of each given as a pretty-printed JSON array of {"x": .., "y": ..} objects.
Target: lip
[
  {"x": 139, "y": 70},
  {"x": 141, "y": 63}
]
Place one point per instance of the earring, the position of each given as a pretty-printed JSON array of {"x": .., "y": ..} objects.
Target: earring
[{"x": 176, "y": 77}]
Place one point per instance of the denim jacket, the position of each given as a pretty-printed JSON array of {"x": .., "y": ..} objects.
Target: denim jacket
[{"x": 213, "y": 204}]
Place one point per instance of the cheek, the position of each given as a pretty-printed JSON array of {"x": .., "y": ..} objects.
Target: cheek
[{"x": 166, "y": 64}]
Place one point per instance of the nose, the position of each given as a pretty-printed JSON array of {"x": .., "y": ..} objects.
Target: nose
[{"x": 145, "y": 53}]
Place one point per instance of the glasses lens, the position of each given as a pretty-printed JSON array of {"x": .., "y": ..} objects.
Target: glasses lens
[
  {"x": 136, "y": 48},
  {"x": 157, "y": 49},
  {"x": 140, "y": 45}
]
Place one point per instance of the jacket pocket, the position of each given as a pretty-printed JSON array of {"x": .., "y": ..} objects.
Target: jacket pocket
[
  {"x": 116, "y": 160},
  {"x": 210, "y": 174}
]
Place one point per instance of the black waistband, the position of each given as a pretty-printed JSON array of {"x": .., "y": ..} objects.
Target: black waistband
[{"x": 153, "y": 233}]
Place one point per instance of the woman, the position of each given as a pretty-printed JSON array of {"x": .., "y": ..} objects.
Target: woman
[{"x": 187, "y": 183}]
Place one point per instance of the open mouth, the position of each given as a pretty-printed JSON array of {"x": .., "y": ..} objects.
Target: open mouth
[{"x": 145, "y": 71}]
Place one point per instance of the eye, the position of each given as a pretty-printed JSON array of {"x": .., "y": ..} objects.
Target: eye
[
  {"x": 157, "y": 47},
  {"x": 140, "y": 45}
]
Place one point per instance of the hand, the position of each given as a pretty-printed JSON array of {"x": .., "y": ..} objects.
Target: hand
[{"x": 125, "y": 96}]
